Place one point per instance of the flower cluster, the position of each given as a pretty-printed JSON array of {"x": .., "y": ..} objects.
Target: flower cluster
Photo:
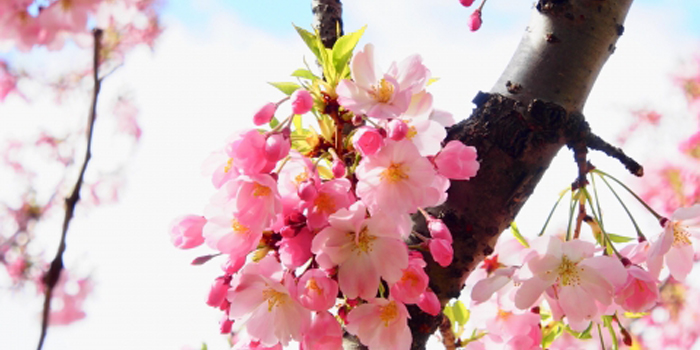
[{"x": 314, "y": 223}]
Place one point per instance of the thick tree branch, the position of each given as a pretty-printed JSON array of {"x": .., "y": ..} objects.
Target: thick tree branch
[
  {"x": 327, "y": 20},
  {"x": 531, "y": 112},
  {"x": 52, "y": 276}
]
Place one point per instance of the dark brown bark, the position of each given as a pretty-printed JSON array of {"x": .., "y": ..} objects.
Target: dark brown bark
[{"x": 327, "y": 20}]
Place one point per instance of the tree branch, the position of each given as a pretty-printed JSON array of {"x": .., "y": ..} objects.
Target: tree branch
[
  {"x": 327, "y": 20},
  {"x": 52, "y": 276},
  {"x": 518, "y": 131}
]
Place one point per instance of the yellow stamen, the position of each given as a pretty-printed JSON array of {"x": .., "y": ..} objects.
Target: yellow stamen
[
  {"x": 412, "y": 132},
  {"x": 228, "y": 166},
  {"x": 568, "y": 272},
  {"x": 388, "y": 313},
  {"x": 363, "y": 241},
  {"x": 383, "y": 91},
  {"x": 312, "y": 285},
  {"x": 410, "y": 277},
  {"x": 681, "y": 236},
  {"x": 274, "y": 298},
  {"x": 238, "y": 227},
  {"x": 394, "y": 173},
  {"x": 325, "y": 203},
  {"x": 301, "y": 178},
  {"x": 260, "y": 190}
]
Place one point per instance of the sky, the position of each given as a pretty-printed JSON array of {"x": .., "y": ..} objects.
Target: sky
[{"x": 206, "y": 78}]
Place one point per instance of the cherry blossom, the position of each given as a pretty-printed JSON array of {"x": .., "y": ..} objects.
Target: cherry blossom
[
  {"x": 381, "y": 324},
  {"x": 674, "y": 246}
]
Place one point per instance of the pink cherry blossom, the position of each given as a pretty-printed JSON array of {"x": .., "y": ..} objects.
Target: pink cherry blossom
[
  {"x": 332, "y": 196},
  {"x": 316, "y": 291},
  {"x": 248, "y": 154},
  {"x": 325, "y": 333},
  {"x": 375, "y": 95},
  {"x": 640, "y": 293},
  {"x": 364, "y": 249},
  {"x": 186, "y": 231},
  {"x": 411, "y": 74},
  {"x": 229, "y": 235},
  {"x": 438, "y": 229},
  {"x": 367, "y": 140},
  {"x": 265, "y": 113},
  {"x": 253, "y": 198},
  {"x": 297, "y": 170},
  {"x": 381, "y": 324},
  {"x": 397, "y": 179},
  {"x": 71, "y": 308},
  {"x": 302, "y": 102},
  {"x": 261, "y": 301},
  {"x": 577, "y": 278},
  {"x": 413, "y": 283},
  {"x": 220, "y": 167},
  {"x": 457, "y": 161},
  {"x": 674, "y": 246}
]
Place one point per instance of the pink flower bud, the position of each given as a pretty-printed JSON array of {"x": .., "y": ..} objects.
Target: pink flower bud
[
  {"x": 276, "y": 147},
  {"x": 338, "y": 169},
  {"x": 441, "y": 250},
  {"x": 316, "y": 291},
  {"x": 225, "y": 325},
  {"x": 475, "y": 21},
  {"x": 288, "y": 231},
  {"x": 301, "y": 101},
  {"x": 439, "y": 230},
  {"x": 457, "y": 161},
  {"x": 397, "y": 130},
  {"x": 429, "y": 303},
  {"x": 367, "y": 140},
  {"x": 218, "y": 291},
  {"x": 186, "y": 231},
  {"x": 466, "y": 3},
  {"x": 265, "y": 114},
  {"x": 307, "y": 191}
]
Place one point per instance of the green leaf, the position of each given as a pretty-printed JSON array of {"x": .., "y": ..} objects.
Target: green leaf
[
  {"x": 447, "y": 311},
  {"x": 343, "y": 47},
  {"x": 274, "y": 122},
  {"x": 461, "y": 313},
  {"x": 287, "y": 88},
  {"x": 310, "y": 39},
  {"x": 607, "y": 320},
  {"x": 204, "y": 346},
  {"x": 586, "y": 334},
  {"x": 304, "y": 73},
  {"x": 516, "y": 233},
  {"x": 550, "y": 333},
  {"x": 618, "y": 238}
]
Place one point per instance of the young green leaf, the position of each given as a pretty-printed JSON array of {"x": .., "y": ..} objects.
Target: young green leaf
[
  {"x": 343, "y": 47},
  {"x": 310, "y": 39},
  {"x": 286, "y": 88},
  {"x": 516, "y": 233},
  {"x": 460, "y": 312},
  {"x": 618, "y": 238},
  {"x": 304, "y": 73}
]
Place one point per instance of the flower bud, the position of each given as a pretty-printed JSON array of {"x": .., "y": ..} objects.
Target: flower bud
[
  {"x": 338, "y": 169},
  {"x": 429, "y": 303},
  {"x": 475, "y": 21},
  {"x": 307, "y": 191},
  {"x": 186, "y": 231},
  {"x": 301, "y": 101},
  {"x": 397, "y": 130},
  {"x": 218, "y": 291},
  {"x": 276, "y": 147},
  {"x": 357, "y": 120},
  {"x": 466, "y": 3},
  {"x": 441, "y": 250},
  {"x": 439, "y": 230},
  {"x": 367, "y": 140},
  {"x": 265, "y": 114}
]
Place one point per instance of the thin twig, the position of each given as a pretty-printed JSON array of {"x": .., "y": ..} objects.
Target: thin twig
[
  {"x": 593, "y": 141},
  {"x": 51, "y": 277},
  {"x": 448, "y": 337}
]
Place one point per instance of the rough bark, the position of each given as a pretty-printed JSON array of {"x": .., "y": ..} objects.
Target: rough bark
[{"x": 327, "y": 20}]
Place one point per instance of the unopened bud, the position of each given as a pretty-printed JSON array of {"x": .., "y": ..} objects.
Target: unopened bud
[
  {"x": 338, "y": 169},
  {"x": 475, "y": 21},
  {"x": 301, "y": 101},
  {"x": 265, "y": 114},
  {"x": 397, "y": 130}
]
